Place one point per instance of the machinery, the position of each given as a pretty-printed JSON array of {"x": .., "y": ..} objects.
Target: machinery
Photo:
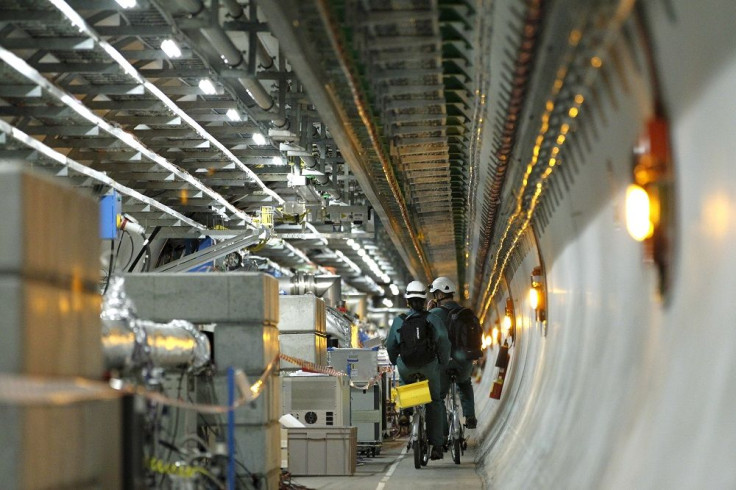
[{"x": 317, "y": 400}]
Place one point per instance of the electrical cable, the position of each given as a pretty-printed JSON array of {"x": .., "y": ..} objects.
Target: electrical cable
[
  {"x": 110, "y": 265},
  {"x": 146, "y": 241},
  {"x": 178, "y": 411},
  {"x": 132, "y": 249}
]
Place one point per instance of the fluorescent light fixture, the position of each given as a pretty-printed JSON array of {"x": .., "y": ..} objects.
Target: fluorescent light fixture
[
  {"x": 388, "y": 303},
  {"x": 29, "y": 72},
  {"x": 394, "y": 289},
  {"x": 77, "y": 20},
  {"x": 171, "y": 48},
  {"x": 75, "y": 166},
  {"x": 233, "y": 115},
  {"x": 259, "y": 139},
  {"x": 127, "y": 4},
  {"x": 206, "y": 86}
]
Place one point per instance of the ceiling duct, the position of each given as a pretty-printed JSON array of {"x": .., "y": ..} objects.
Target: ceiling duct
[{"x": 233, "y": 57}]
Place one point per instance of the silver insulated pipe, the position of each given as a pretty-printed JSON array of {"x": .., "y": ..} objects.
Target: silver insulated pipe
[
  {"x": 338, "y": 326},
  {"x": 233, "y": 57},
  {"x": 131, "y": 343},
  {"x": 326, "y": 287}
]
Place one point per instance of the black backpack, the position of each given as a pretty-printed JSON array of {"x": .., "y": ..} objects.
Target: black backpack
[
  {"x": 416, "y": 340},
  {"x": 465, "y": 332}
]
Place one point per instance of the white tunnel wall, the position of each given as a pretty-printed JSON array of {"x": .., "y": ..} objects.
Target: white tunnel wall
[{"x": 626, "y": 391}]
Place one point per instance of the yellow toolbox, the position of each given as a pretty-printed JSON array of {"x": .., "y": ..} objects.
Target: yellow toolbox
[{"x": 413, "y": 394}]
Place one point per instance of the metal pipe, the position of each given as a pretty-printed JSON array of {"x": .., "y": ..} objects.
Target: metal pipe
[
  {"x": 338, "y": 326},
  {"x": 302, "y": 283},
  {"x": 236, "y": 11},
  {"x": 177, "y": 344},
  {"x": 130, "y": 343},
  {"x": 233, "y": 57}
]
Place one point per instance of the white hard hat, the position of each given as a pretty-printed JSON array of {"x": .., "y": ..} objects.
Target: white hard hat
[
  {"x": 442, "y": 284},
  {"x": 416, "y": 289}
]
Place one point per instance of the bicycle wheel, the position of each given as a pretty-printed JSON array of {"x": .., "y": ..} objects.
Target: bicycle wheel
[
  {"x": 417, "y": 448},
  {"x": 424, "y": 438},
  {"x": 455, "y": 449}
]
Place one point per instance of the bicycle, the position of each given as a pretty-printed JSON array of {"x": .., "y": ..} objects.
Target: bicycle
[
  {"x": 419, "y": 439},
  {"x": 456, "y": 440}
]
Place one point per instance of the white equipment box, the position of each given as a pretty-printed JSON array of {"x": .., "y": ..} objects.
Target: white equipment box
[
  {"x": 363, "y": 362},
  {"x": 317, "y": 401}
]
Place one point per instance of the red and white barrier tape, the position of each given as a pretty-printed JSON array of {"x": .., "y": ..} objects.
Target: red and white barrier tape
[
  {"x": 18, "y": 389},
  {"x": 25, "y": 390},
  {"x": 315, "y": 368}
]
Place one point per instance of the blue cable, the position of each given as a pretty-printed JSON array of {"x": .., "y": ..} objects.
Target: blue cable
[{"x": 231, "y": 429}]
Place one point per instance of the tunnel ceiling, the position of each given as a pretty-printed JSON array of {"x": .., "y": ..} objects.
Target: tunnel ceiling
[
  {"x": 214, "y": 140},
  {"x": 363, "y": 126}
]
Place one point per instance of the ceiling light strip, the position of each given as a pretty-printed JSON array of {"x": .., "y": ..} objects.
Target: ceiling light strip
[
  {"x": 333, "y": 36},
  {"x": 297, "y": 252},
  {"x": 78, "y": 21},
  {"x": 316, "y": 232},
  {"x": 94, "y": 174},
  {"x": 73, "y": 103},
  {"x": 348, "y": 262}
]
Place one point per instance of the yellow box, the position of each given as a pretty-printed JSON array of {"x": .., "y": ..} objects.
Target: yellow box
[{"x": 413, "y": 394}]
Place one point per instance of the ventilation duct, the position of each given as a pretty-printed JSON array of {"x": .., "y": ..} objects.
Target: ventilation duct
[{"x": 233, "y": 57}]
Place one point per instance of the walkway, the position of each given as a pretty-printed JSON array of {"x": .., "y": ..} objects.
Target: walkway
[{"x": 394, "y": 469}]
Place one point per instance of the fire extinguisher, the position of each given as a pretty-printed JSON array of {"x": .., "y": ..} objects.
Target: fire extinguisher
[
  {"x": 497, "y": 387},
  {"x": 502, "y": 363}
]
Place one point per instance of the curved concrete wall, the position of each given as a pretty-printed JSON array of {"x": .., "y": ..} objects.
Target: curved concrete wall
[{"x": 627, "y": 391}]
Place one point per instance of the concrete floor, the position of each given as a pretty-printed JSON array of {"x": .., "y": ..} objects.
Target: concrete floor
[{"x": 394, "y": 469}]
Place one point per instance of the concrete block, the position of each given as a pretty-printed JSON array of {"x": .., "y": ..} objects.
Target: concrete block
[
  {"x": 48, "y": 229},
  {"x": 310, "y": 347},
  {"x": 304, "y": 313},
  {"x": 246, "y": 297},
  {"x": 11, "y": 304},
  {"x": 272, "y": 479},
  {"x": 247, "y": 347},
  {"x": 49, "y": 330},
  {"x": 263, "y": 410},
  {"x": 10, "y": 444},
  {"x": 258, "y": 447},
  {"x": 70, "y": 446}
]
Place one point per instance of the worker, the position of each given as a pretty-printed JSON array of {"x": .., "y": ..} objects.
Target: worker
[
  {"x": 426, "y": 350},
  {"x": 443, "y": 291}
]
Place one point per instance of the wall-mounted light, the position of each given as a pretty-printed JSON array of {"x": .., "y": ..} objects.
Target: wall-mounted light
[
  {"x": 537, "y": 296},
  {"x": 638, "y": 213},
  {"x": 508, "y": 322},
  {"x": 487, "y": 341},
  {"x": 649, "y": 202}
]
